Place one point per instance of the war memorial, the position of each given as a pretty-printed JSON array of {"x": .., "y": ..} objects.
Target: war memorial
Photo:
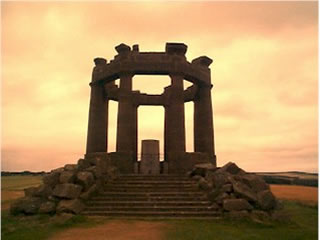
[{"x": 118, "y": 184}]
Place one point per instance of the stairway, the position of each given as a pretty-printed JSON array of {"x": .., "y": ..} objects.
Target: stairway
[{"x": 151, "y": 196}]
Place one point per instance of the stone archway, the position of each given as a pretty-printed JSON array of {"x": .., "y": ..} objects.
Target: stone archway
[{"x": 172, "y": 62}]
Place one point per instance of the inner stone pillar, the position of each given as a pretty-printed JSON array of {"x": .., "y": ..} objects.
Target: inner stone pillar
[
  {"x": 98, "y": 115},
  {"x": 203, "y": 123},
  {"x": 174, "y": 116},
  {"x": 150, "y": 161},
  {"x": 127, "y": 118}
]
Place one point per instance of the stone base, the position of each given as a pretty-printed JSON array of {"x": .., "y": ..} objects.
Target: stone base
[
  {"x": 182, "y": 162},
  {"x": 121, "y": 160}
]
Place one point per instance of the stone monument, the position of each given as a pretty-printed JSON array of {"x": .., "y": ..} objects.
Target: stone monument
[
  {"x": 172, "y": 62},
  {"x": 150, "y": 157}
]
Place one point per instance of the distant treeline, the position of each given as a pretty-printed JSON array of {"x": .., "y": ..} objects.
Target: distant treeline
[
  {"x": 24, "y": 173},
  {"x": 290, "y": 180}
]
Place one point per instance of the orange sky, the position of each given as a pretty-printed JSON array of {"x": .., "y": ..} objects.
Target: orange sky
[{"x": 265, "y": 76}]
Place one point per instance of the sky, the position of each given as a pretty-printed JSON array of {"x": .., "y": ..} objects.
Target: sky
[{"x": 264, "y": 72}]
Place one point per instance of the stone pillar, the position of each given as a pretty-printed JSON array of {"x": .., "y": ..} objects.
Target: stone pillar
[
  {"x": 127, "y": 117},
  {"x": 150, "y": 161},
  {"x": 175, "y": 139},
  {"x": 203, "y": 123},
  {"x": 98, "y": 115}
]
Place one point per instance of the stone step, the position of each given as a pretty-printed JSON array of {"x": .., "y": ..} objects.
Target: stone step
[
  {"x": 152, "y": 194},
  {"x": 151, "y": 182},
  {"x": 151, "y": 208},
  {"x": 152, "y": 214},
  {"x": 148, "y": 189},
  {"x": 151, "y": 199},
  {"x": 147, "y": 203},
  {"x": 153, "y": 177}
]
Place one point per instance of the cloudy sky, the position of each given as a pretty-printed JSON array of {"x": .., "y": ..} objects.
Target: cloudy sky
[{"x": 265, "y": 76}]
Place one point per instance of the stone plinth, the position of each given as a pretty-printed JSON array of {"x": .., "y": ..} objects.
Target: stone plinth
[{"x": 150, "y": 161}]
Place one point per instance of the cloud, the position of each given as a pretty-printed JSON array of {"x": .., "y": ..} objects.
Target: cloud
[{"x": 264, "y": 75}]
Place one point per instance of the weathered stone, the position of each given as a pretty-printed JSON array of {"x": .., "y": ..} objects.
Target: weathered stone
[
  {"x": 29, "y": 192},
  {"x": 236, "y": 205},
  {"x": 259, "y": 216},
  {"x": 47, "y": 207},
  {"x": 83, "y": 164},
  {"x": 67, "y": 190},
  {"x": 231, "y": 168},
  {"x": 227, "y": 188},
  {"x": 58, "y": 170},
  {"x": 70, "y": 206},
  {"x": 219, "y": 179},
  {"x": 196, "y": 177},
  {"x": 93, "y": 160},
  {"x": 244, "y": 191},
  {"x": 266, "y": 200},
  {"x": 43, "y": 191},
  {"x": 238, "y": 214},
  {"x": 27, "y": 205},
  {"x": 255, "y": 182},
  {"x": 93, "y": 170},
  {"x": 214, "y": 206},
  {"x": 221, "y": 197},
  {"x": 212, "y": 195},
  {"x": 203, "y": 184},
  {"x": 71, "y": 167},
  {"x": 202, "y": 169},
  {"x": 67, "y": 177},
  {"x": 85, "y": 179},
  {"x": 88, "y": 194},
  {"x": 51, "y": 179}
]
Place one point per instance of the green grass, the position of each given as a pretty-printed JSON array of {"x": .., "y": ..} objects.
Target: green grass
[
  {"x": 16, "y": 183},
  {"x": 38, "y": 227},
  {"x": 303, "y": 225}
]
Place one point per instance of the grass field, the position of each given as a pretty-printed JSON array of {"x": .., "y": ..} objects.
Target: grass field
[{"x": 303, "y": 223}]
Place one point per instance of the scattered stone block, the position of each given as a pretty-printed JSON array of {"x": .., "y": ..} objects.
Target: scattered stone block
[
  {"x": 51, "y": 179},
  {"x": 255, "y": 182},
  {"x": 83, "y": 164},
  {"x": 236, "y": 205},
  {"x": 71, "y": 167},
  {"x": 70, "y": 206},
  {"x": 43, "y": 191},
  {"x": 27, "y": 205},
  {"x": 227, "y": 188},
  {"x": 88, "y": 194},
  {"x": 67, "y": 177},
  {"x": 47, "y": 207},
  {"x": 231, "y": 168},
  {"x": 266, "y": 200},
  {"x": 203, "y": 184},
  {"x": 67, "y": 190},
  {"x": 85, "y": 179},
  {"x": 244, "y": 191},
  {"x": 238, "y": 214}
]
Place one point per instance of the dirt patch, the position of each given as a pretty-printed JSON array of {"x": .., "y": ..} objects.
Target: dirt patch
[
  {"x": 300, "y": 193},
  {"x": 117, "y": 230}
]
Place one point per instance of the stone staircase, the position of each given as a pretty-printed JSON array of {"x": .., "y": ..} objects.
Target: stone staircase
[{"x": 151, "y": 196}]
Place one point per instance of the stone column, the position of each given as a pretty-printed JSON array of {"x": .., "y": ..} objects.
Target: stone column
[
  {"x": 98, "y": 115},
  {"x": 127, "y": 117},
  {"x": 174, "y": 116},
  {"x": 203, "y": 123}
]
